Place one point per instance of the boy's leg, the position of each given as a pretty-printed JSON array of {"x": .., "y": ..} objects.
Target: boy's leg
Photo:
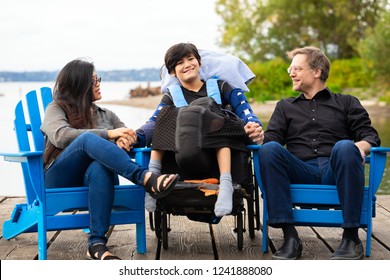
[
  {"x": 154, "y": 166},
  {"x": 224, "y": 203}
]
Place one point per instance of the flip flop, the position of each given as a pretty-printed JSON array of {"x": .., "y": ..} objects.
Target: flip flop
[
  {"x": 160, "y": 191},
  {"x": 98, "y": 252}
]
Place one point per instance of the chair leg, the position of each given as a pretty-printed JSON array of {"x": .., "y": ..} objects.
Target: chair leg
[
  {"x": 141, "y": 237},
  {"x": 264, "y": 242},
  {"x": 42, "y": 237},
  {"x": 368, "y": 238}
]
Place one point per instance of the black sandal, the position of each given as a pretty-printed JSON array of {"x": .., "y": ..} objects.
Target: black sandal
[
  {"x": 98, "y": 251},
  {"x": 160, "y": 191}
]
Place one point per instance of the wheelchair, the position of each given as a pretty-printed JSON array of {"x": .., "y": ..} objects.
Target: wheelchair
[{"x": 187, "y": 199}]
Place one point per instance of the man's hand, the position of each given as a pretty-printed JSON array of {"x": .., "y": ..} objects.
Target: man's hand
[
  {"x": 255, "y": 132},
  {"x": 364, "y": 148}
]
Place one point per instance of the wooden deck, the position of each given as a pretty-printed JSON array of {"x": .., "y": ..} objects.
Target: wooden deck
[{"x": 190, "y": 240}]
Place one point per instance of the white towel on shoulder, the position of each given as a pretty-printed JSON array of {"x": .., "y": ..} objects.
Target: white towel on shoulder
[{"x": 220, "y": 65}]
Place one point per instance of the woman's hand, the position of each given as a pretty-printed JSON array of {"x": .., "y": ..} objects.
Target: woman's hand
[
  {"x": 125, "y": 137},
  {"x": 124, "y": 143},
  {"x": 129, "y": 133}
]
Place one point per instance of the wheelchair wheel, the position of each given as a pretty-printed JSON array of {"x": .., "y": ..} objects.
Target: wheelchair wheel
[
  {"x": 240, "y": 230},
  {"x": 164, "y": 229},
  {"x": 251, "y": 216},
  {"x": 151, "y": 221},
  {"x": 157, "y": 223},
  {"x": 250, "y": 202}
]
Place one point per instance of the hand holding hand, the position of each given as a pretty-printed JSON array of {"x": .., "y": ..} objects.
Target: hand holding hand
[
  {"x": 128, "y": 133},
  {"x": 255, "y": 132},
  {"x": 124, "y": 143}
]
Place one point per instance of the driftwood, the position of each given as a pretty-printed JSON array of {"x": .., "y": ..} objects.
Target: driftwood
[{"x": 144, "y": 92}]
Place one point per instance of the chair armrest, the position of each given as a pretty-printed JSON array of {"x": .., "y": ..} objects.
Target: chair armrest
[
  {"x": 380, "y": 150},
  {"x": 253, "y": 147},
  {"x": 378, "y": 157},
  {"x": 141, "y": 156},
  {"x": 21, "y": 156},
  {"x": 141, "y": 150},
  {"x": 256, "y": 164}
]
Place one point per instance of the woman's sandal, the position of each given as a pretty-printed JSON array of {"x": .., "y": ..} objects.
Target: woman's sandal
[
  {"x": 160, "y": 191},
  {"x": 99, "y": 252}
]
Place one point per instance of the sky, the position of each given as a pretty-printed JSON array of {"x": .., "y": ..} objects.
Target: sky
[{"x": 44, "y": 35}]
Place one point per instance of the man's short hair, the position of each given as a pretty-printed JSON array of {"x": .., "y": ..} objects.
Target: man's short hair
[{"x": 316, "y": 59}]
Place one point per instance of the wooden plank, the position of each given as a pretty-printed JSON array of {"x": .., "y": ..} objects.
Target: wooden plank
[
  {"x": 381, "y": 228},
  {"x": 226, "y": 242},
  {"x": 122, "y": 241},
  {"x": 68, "y": 245},
  {"x": 151, "y": 243},
  {"x": 313, "y": 247},
  {"x": 23, "y": 246},
  {"x": 192, "y": 240},
  {"x": 6, "y": 207},
  {"x": 188, "y": 240},
  {"x": 73, "y": 244}
]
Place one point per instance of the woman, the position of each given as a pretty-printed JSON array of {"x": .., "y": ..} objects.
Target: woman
[{"x": 87, "y": 145}]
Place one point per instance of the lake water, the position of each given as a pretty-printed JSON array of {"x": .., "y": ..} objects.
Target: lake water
[{"x": 10, "y": 93}]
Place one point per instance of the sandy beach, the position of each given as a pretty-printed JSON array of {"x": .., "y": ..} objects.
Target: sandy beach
[{"x": 263, "y": 110}]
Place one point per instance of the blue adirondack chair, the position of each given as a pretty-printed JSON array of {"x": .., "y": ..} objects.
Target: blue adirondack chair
[
  {"x": 53, "y": 209},
  {"x": 320, "y": 205}
]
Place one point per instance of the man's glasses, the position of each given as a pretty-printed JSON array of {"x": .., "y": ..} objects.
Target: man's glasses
[
  {"x": 98, "y": 80},
  {"x": 294, "y": 69}
]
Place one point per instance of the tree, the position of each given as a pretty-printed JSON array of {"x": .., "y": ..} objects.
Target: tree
[
  {"x": 375, "y": 51},
  {"x": 375, "y": 48},
  {"x": 259, "y": 30}
]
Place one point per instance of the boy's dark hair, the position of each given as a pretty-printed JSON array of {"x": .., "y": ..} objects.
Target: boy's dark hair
[{"x": 175, "y": 53}]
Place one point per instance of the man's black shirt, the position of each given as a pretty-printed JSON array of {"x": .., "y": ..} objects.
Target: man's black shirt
[{"x": 310, "y": 127}]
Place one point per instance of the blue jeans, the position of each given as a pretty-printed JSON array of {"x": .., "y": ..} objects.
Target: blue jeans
[
  {"x": 94, "y": 162},
  {"x": 279, "y": 168}
]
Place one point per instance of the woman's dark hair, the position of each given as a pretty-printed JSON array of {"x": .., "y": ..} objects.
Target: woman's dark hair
[
  {"x": 73, "y": 92},
  {"x": 175, "y": 53}
]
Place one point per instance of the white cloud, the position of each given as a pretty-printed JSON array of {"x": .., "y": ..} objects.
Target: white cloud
[{"x": 117, "y": 34}]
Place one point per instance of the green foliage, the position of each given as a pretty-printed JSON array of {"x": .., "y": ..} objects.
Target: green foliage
[
  {"x": 349, "y": 73},
  {"x": 273, "y": 83},
  {"x": 259, "y": 30},
  {"x": 375, "y": 51},
  {"x": 354, "y": 34}
]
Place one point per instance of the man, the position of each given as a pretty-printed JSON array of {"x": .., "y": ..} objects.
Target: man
[{"x": 326, "y": 138}]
